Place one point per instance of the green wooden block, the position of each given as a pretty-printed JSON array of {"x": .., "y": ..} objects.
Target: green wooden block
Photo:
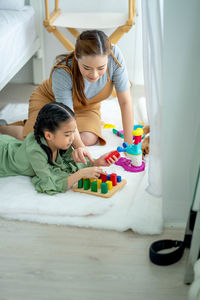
[
  {"x": 86, "y": 184},
  {"x": 94, "y": 186},
  {"x": 80, "y": 183},
  {"x": 104, "y": 188}
]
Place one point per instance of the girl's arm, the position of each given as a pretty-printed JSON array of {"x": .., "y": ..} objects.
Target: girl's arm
[
  {"x": 52, "y": 180},
  {"x": 126, "y": 106},
  {"x": 77, "y": 140},
  {"x": 103, "y": 162},
  {"x": 80, "y": 151},
  {"x": 91, "y": 172}
]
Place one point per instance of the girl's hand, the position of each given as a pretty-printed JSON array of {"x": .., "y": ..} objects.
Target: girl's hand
[
  {"x": 92, "y": 172},
  {"x": 80, "y": 153},
  {"x": 102, "y": 162}
]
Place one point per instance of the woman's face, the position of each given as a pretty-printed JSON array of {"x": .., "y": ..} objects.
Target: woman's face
[{"x": 93, "y": 67}]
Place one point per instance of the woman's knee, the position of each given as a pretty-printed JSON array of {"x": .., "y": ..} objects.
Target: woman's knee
[{"x": 89, "y": 138}]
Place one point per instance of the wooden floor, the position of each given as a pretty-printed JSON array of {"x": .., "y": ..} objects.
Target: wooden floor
[{"x": 59, "y": 262}]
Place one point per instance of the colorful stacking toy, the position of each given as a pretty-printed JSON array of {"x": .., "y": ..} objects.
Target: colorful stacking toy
[
  {"x": 134, "y": 153},
  {"x": 120, "y": 133}
]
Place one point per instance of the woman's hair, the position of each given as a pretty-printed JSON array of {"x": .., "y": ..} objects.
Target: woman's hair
[
  {"x": 49, "y": 118},
  {"x": 90, "y": 42}
]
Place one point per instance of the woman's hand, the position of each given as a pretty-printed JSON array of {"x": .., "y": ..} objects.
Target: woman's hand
[
  {"x": 80, "y": 153},
  {"x": 102, "y": 162},
  {"x": 92, "y": 172}
]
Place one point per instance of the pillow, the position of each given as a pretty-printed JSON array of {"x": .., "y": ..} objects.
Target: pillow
[{"x": 12, "y": 4}]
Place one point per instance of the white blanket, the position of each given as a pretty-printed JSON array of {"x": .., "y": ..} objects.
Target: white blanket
[{"x": 130, "y": 208}]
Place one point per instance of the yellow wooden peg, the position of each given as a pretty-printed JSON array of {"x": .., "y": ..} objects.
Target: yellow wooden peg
[
  {"x": 92, "y": 179},
  {"x": 99, "y": 181},
  {"x": 109, "y": 184},
  {"x": 109, "y": 126}
]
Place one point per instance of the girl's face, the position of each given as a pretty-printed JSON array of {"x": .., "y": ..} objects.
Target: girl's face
[
  {"x": 63, "y": 137},
  {"x": 93, "y": 67}
]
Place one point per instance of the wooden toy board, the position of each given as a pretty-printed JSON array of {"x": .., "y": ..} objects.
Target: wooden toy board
[{"x": 109, "y": 194}]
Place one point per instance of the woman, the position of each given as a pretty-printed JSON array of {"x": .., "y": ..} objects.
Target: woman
[{"x": 81, "y": 80}]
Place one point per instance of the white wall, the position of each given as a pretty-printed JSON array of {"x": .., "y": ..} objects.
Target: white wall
[
  {"x": 25, "y": 75},
  {"x": 181, "y": 106},
  {"x": 130, "y": 44}
]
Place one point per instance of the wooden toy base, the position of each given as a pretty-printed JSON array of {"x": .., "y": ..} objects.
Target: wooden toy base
[{"x": 109, "y": 194}]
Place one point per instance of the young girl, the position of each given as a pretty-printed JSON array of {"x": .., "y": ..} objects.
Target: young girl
[
  {"x": 81, "y": 80},
  {"x": 46, "y": 154}
]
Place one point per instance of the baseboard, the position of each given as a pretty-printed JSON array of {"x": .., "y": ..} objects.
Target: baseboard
[{"x": 174, "y": 225}]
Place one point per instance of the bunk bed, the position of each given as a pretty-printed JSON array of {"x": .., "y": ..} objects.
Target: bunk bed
[{"x": 21, "y": 38}]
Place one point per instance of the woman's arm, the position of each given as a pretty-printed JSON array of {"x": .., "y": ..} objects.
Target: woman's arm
[
  {"x": 126, "y": 106},
  {"x": 122, "y": 86}
]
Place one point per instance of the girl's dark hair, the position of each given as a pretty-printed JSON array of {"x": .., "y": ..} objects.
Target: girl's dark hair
[
  {"x": 90, "y": 42},
  {"x": 49, "y": 118}
]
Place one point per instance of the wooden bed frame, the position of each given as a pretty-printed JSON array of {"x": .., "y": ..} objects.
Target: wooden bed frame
[{"x": 36, "y": 50}]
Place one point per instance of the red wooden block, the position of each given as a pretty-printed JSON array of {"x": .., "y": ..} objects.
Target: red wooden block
[
  {"x": 116, "y": 153},
  {"x": 113, "y": 178},
  {"x": 103, "y": 177}
]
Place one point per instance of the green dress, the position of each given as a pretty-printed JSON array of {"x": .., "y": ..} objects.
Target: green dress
[{"x": 29, "y": 159}]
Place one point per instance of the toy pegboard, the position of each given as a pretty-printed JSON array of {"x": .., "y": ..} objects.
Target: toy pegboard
[{"x": 114, "y": 189}]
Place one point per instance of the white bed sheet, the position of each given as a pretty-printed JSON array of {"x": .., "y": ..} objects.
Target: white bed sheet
[{"x": 17, "y": 33}]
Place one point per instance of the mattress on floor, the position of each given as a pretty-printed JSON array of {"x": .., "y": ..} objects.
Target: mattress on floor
[
  {"x": 17, "y": 33},
  {"x": 130, "y": 208}
]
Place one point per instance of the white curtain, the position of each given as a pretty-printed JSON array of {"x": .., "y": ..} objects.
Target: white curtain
[{"x": 152, "y": 23}]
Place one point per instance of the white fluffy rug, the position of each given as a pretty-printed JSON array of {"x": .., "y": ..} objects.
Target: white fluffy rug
[{"x": 131, "y": 208}]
